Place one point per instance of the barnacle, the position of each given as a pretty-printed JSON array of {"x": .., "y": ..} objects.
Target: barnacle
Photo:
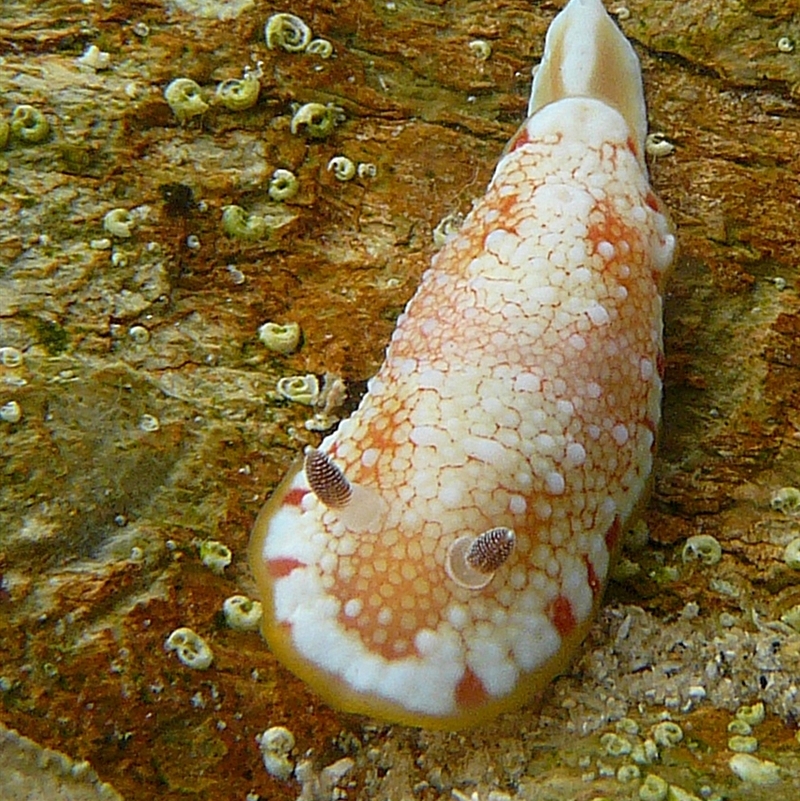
[
  {"x": 739, "y": 726},
  {"x": 240, "y": 224},
  {"x": 656, "y": 144},
  {"x": 703, "y": 548},
  {"x": 786, "y": 44},
  {"x": 447, "y": 226},
  {"x": 118, "y": 222},
  {"x": 315, "y": 120},
  {"x": 215, "y": 555},
  {"x": 481, "y": 49},
  {"x": 366, "y": 169},
  {"x": 236, "y": 222},
  {"x": 287, "y": 31},
  {"x": 149, "y": 423},
  {"x": 29, "y": 125},
  {"x": 10, "y": 357},
  {"x": 284, "y": 185},
  {"x": 667, "y": 733},
  {"x": 10, "y": 412},
  {"x": 752, "y": 715},
  {"x": 241, "y": 614},
  {"x": 615, "y": 745},
  {"x": 238, "y": 94},
  {"x": 275, "y": 744},
  {"x": 280, "y": 338},
  {"x": 627, "y": 726},
  {"x": 139, "y": 334},
  {"x": 628, "y": 773},
  {"x": 786, "y": 500},
  {"x": 300, "y": 389},
  {"x": 185, "y": 99},
  {"x": 743, "y": 743},
  {"x": 654, "y": 788},
  {"x": 191, "y": 648},
  {"x": 343, "y": 169},
  {"x": 645, "y": 753},
  {"x": 320, "y": 47}
]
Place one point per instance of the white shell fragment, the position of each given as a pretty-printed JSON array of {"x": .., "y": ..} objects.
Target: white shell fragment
[
  {"x": 95, "y": 58},
  {"x": 191, "y": 648},
  {"x": 754, "y": 770}
]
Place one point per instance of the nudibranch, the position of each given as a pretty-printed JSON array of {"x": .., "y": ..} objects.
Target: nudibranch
[{"x": 440, "y": 557}]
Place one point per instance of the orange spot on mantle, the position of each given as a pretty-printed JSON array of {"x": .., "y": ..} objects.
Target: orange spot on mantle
[
  {"x": 562, "y": 616},
  {"x": 591, "y": 576},
  {"x": 470, "y": 691},
  {"x": 295, "y": 496},
  {"x": 653, "y": 202},
  {"x": 613, "y": 534},
  {"x": 520, "y": 139},
  {"x": 279, "y": 568}
]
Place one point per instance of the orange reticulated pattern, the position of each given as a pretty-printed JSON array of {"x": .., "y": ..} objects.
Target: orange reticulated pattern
[{"x": 521, "y": 389}]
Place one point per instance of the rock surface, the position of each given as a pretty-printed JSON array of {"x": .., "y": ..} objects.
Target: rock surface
[{"x": 132, "y": 448}]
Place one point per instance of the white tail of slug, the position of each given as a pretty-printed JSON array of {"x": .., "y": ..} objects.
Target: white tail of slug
[{"x": 586, "y": 55}]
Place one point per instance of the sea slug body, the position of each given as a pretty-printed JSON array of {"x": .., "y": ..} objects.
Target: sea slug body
[{"x": 439, "y": 557}]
